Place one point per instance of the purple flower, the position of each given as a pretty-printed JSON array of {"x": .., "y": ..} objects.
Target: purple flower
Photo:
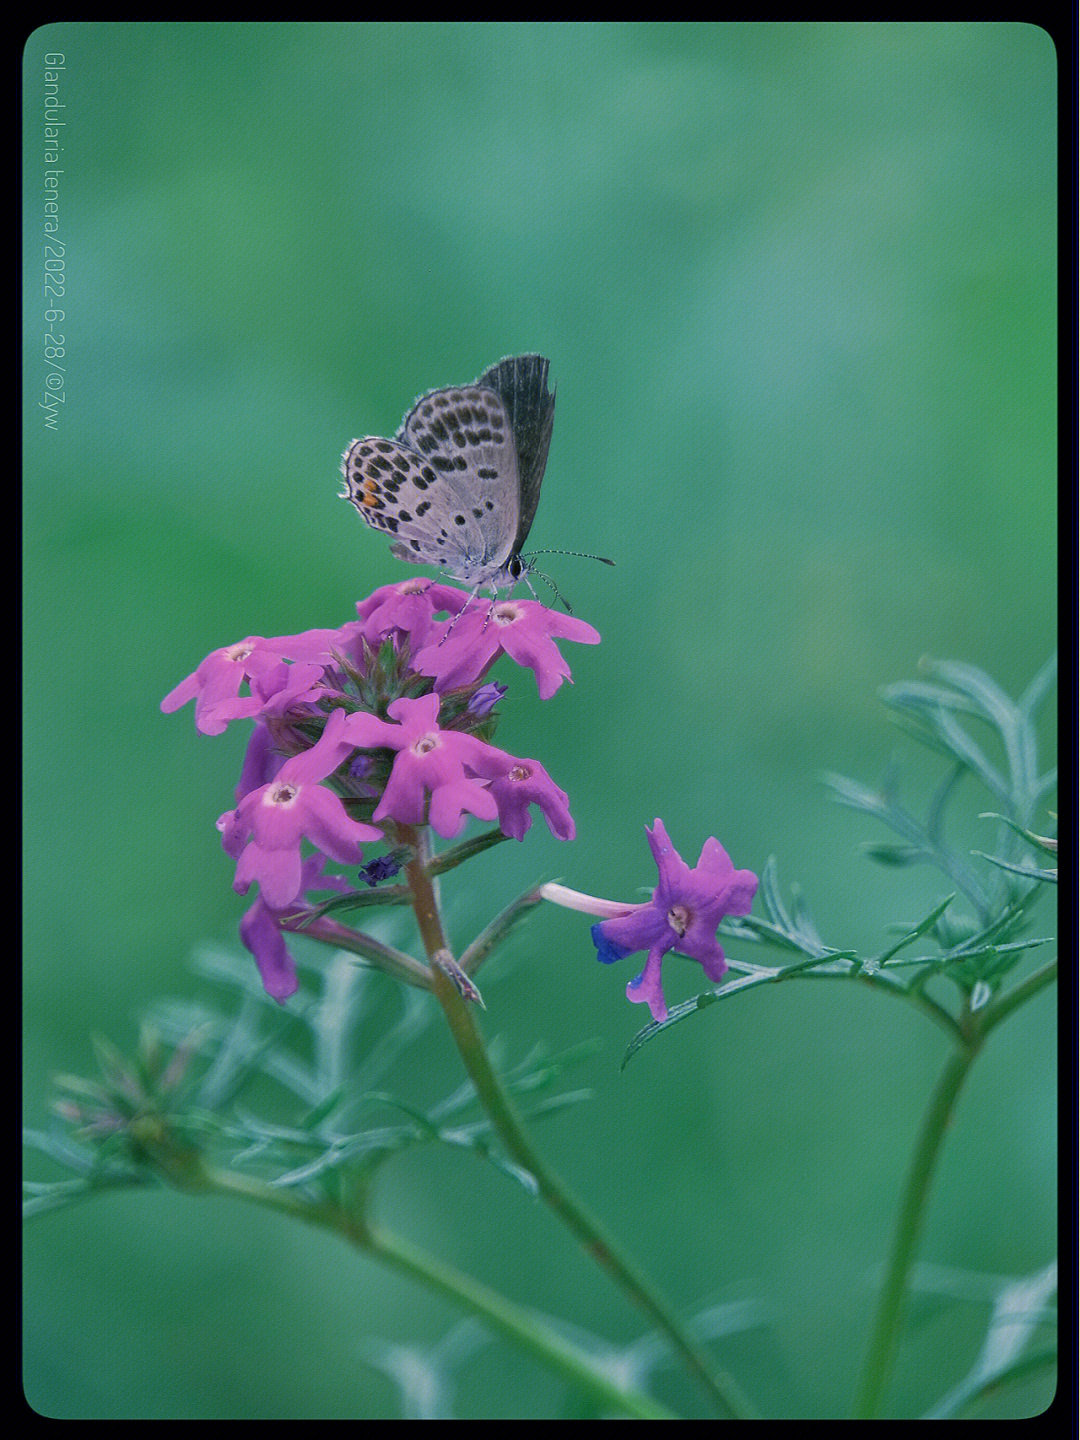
[
  {"x": 484, "y": 700},
  {"x": 523, "y": 629},
  {"x": 685, "y": 909},
  {"x": 293, "y": 805},
  {"x": 382, "y": 868},
  {"x": 429, "y": 761},
  {"x": 217, "y": 681},
  {"x": 215, "y": 684},
  {"x": 407, "y": 610},
  {"x": 528, "y": 783},
  {"x": 260, "y": 930}
]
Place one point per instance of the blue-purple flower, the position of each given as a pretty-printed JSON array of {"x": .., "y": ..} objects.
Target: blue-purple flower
[{"x": 686, "y": 907}]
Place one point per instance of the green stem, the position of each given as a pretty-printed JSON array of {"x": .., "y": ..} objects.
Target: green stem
[
  {"x": 728, "y": 1400},
  {"x": 521, "y": 1326},
  {"x": 1005, "y": 1004},
  {"x": 886, "y": 1329}
]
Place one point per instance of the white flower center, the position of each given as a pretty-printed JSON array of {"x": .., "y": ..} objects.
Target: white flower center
[
  {"x": 519, "y": 772},
  {"x": 506, "y": 613},
  {"x": 282, "y": 793},
  {"x": 425, "y": 744},
  {"x": 678, "y": 917},
  {"x": 239, "y": 653}
]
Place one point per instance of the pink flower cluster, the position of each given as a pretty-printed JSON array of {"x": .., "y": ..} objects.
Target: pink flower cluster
[{"x": 319, "y": 752}]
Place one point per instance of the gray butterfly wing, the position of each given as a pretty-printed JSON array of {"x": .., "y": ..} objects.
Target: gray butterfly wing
[
  {"x": 392, "y": 488},
  {"x": 464, "y": 434},
  {"x": 521, "y": 383}
]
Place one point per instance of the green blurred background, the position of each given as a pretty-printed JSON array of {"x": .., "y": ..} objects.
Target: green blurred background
[{"x": 797, "y": 284}]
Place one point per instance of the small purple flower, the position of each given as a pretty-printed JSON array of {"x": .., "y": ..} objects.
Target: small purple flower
[
  {"x": 685, "y": 909},
  {"x": 523, "y": 629},
  {"x": 429, "y": 761},
  {"x": 383, "y": 868},
  {"x": 528, "y": 783},
  {"x": 407, "y": 610},
  {"x": 484, "y": 700},
  {"x": 293, "y": 805},
  {"x": 260, "y": 930}
]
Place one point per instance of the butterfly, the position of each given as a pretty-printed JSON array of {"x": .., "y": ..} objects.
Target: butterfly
[{"x": 459, "y": 484}]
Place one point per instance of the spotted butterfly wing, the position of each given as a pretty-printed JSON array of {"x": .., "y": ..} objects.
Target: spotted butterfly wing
[
  {"x": 446, "y": 487},
  {"x": 450, "y": 486}
]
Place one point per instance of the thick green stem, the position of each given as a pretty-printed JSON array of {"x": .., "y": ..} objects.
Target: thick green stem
[
  {"x": 886, "y": 1329},
  {"x": 727, "y": 1398},
  {"x": 525, "y": 1329}
]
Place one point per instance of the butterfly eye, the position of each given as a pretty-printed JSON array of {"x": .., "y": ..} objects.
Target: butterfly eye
[{"x": 516, "y": 567}]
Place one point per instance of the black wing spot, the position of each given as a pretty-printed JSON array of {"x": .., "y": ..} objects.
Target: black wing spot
[{"x": 459, "y": 519}]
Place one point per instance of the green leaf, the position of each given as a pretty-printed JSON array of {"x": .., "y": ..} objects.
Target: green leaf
[
  {"x": 926, "y": 923},
  {"x": 448, "y": 859},
  {"x": 1047, "y": 843},
  {"x": 893, "y": 854},
  {"x": 770, "y": 894},
  {"x": 1039, "y": 688},
  {"x": 1030, "y": 872}
]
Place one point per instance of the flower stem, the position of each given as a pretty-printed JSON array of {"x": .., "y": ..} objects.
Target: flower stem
[
  {"x": 517, "y": 1324},
  {"x": 913, "y": 1204},
  {"x": 886, "y": 1329},
  {"x": 525, "y": 1329},
  {"x": 503, "y": 1115}
]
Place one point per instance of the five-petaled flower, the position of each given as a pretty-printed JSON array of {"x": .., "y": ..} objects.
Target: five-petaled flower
[
  {"x": 278, "y": 815},
  {"x": 523, "y": 629},
  {"x": 685, "y": 909},
  {"x": 447, "y": 764}
]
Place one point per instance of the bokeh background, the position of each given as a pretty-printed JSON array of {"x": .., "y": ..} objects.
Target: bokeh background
[{"x": 797, "y": 285}]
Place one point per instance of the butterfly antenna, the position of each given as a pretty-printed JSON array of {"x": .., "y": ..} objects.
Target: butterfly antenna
[
  {"x": 581, "y": 555},
  {"x": 551, "y": 584}
]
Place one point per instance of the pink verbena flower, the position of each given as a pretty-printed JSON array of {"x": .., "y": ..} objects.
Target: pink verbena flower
[
  {"x": 528, "y": 783},
  {"x": 215, "y": 684},
  {"x": 448, "y": 765},
  {"x": 278, "y": 815},
  {"x": 217, "y": 680},
  {"x": 685, "y": 909},
  {"x": 261, "y": 930},
  {"x": 407, "y": 610},
  {"x": 523, "y": 629}
]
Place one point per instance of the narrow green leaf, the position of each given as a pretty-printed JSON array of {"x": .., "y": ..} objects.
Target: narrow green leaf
[
  {"x": 1039, "y": 688},
  {"x": 494, "y": 933},
  {"x": 892, "y": 853},
  {"x": 1046, "y": 843},
  {"x": 1030, "y": 872},
  {"x": 859, "y": 797},
  {"x": 926, "y": 923},
  {"x": 448, "y": 859},
  {"x": 314, "y": 1118},
  {"x": 770, "y": 894}
]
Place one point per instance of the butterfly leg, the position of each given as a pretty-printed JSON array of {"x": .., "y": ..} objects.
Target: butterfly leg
[{"x": 472, "y": 596}]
